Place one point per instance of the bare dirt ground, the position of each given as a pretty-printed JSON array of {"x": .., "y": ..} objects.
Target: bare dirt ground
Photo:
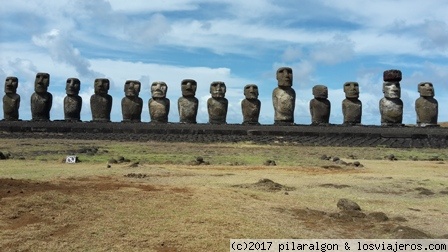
[{"x": 170, "y": 203}]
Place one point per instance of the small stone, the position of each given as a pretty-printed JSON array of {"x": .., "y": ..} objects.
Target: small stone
[
  {"x": 348, "y": 205},
  {"x": 336, "y": 159}
]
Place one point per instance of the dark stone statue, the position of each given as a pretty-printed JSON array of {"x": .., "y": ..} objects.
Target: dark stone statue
[
  {"x": 251, "y": 105},
  {"x": 72, "y": 102},
  {"x": 188, "y": 103},
  {"x": 320, "y": 106},
  {"x": 11, "y": 100},
  {"x": 284, "y": 98},
  {"x": 101, "y": 101},
  {"x": 351, "y": 105},
  {"x": 426, "y": 107},
  {"x": 159, "y": 105},
  {"x": 391, "y": 106},
  {"x": 41, "y": 99},
  {"x": 131, "y": 104},
  {"x": 217, "y": 105}
]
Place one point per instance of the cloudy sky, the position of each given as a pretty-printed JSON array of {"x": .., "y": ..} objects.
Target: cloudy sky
[{"x": 238, "y": 42}]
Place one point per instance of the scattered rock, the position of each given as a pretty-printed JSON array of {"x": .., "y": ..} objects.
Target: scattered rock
[
  {"x": 351, "y": 156},
  {"x": 136, "y": 175},
  {"x": 108, "y": 166},
  {"x": 334, "y": 186},
  {"x": 266, "y": 185},
  {"x": 348, "y": 205},
  {"x": 2, "y": 156},
  {"x": 356, "y": 163},
  {"x": 199, "y": 161},
  {"x": 269, "y": 163},
  {"x": 424, "y": 191},
  {"x": 404, "y": 232},
  {"x": 133, "y": 165},
  {"x": 112, "y": 161},
  {"x": 378, "y": 216},
  {"x": 325, "y": 157},
  {"x": 336, "y": 159},
  {"x": 391, "y": 157},
  {"x": 400, "y": 219}
]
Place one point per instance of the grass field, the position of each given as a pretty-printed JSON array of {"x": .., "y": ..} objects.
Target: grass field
[{"x": 157, "y": 197}]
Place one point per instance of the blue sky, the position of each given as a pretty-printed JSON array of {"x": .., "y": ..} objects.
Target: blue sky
[{"x": 238, "y": 42}]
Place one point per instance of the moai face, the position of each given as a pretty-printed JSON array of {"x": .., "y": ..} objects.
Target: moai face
[
  {"x": 159, "y": 89},
  {"x": 188, "y": 88},
  {"x": 72, "y": 86},
  {"x": 320, "y": 92},
  {"x": 426, "y": 89},
  {"x": 251, "y": 91},
  {"x": 218, "y": 89},
  {"x": 101, "y": 86},
  {"x": 132, "y": 88},
  {"x": 351, "y": 89},
  {"x": 11, "y": 84},
  {"x": 41, "y": 82},
  {"x": 284, "y": 77},
  {"x": 391, "y": 90}
]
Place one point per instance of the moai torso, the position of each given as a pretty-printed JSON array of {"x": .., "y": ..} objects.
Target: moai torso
[
  {"x": 391, "y": 112},
  {"x": 131, "y": 109},
  {"x": 320, "y": 106},
  {"x": 320, "y": 111},
  {"x": 72, "y": 108},
  {"x": 159, "y": 109},
  {"x": 188, "y": 109},
  {"x": 11, "y": 104},
  {"x": 251, "y": 111},
  {"x": 217, "y": 110},
  {"x": 352, "y": 111},
  {"x": 284, "y": 97}
]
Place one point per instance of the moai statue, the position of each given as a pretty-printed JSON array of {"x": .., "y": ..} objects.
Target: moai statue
[
  {"x": 11, "y": 100},
  {"x": 187, "y": 105},
  {"x": 320, "y": 106},
  {"x": 159, "y": 105},
  {"x": 284, "y": 98},
  {"x": 351, "y": 105},
  {"x": 41, "y": 99},
  {"x": 131, "y": 104},
  {"x": 72, "y": 102},
  {"x": 391, "y": 106},
  {"x": 101, "y": 101},
  {"x": 251, "y": 105},
  {"x": 217, "y": 105},
  {"x": 426, "y": 107}
]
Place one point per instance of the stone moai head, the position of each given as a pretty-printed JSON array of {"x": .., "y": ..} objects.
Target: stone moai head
[
  {"x": 11, "y": 84},
  {"x": 320, "y": 92},
  {"x": 426, "y": 89},
  {"x": 351, "y": 90},
  {"x": 188, "y": 87},
  {"x": 132, "y": 88},
  {"x": 251, "y": 91},
  {"x": 41, "y": 82},
  {"x": 284, "y": 77},
  {"x": 218, "y": 89},
  {"x": 159, "y": 89},
  {"x": 72, "y": 86},
  {"x": 391, "y": 84},
  {"x": 101, "y": 86}
]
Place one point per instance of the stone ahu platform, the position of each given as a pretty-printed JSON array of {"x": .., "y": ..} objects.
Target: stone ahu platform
[{"x": 304, "y": 135}]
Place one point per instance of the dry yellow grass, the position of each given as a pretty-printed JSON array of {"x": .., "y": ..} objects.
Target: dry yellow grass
[{"x": 52, "y": 206}]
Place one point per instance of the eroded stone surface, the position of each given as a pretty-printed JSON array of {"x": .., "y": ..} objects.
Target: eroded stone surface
[
  {"x": 41, "y": 99},
  {"x": 101, "y": 101},
  {"x": 251, "y": 105},
  {"x": 320, "y": 106},
  {"x": 284, "y": 97},
  {"x": 11, "y": 100}
]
